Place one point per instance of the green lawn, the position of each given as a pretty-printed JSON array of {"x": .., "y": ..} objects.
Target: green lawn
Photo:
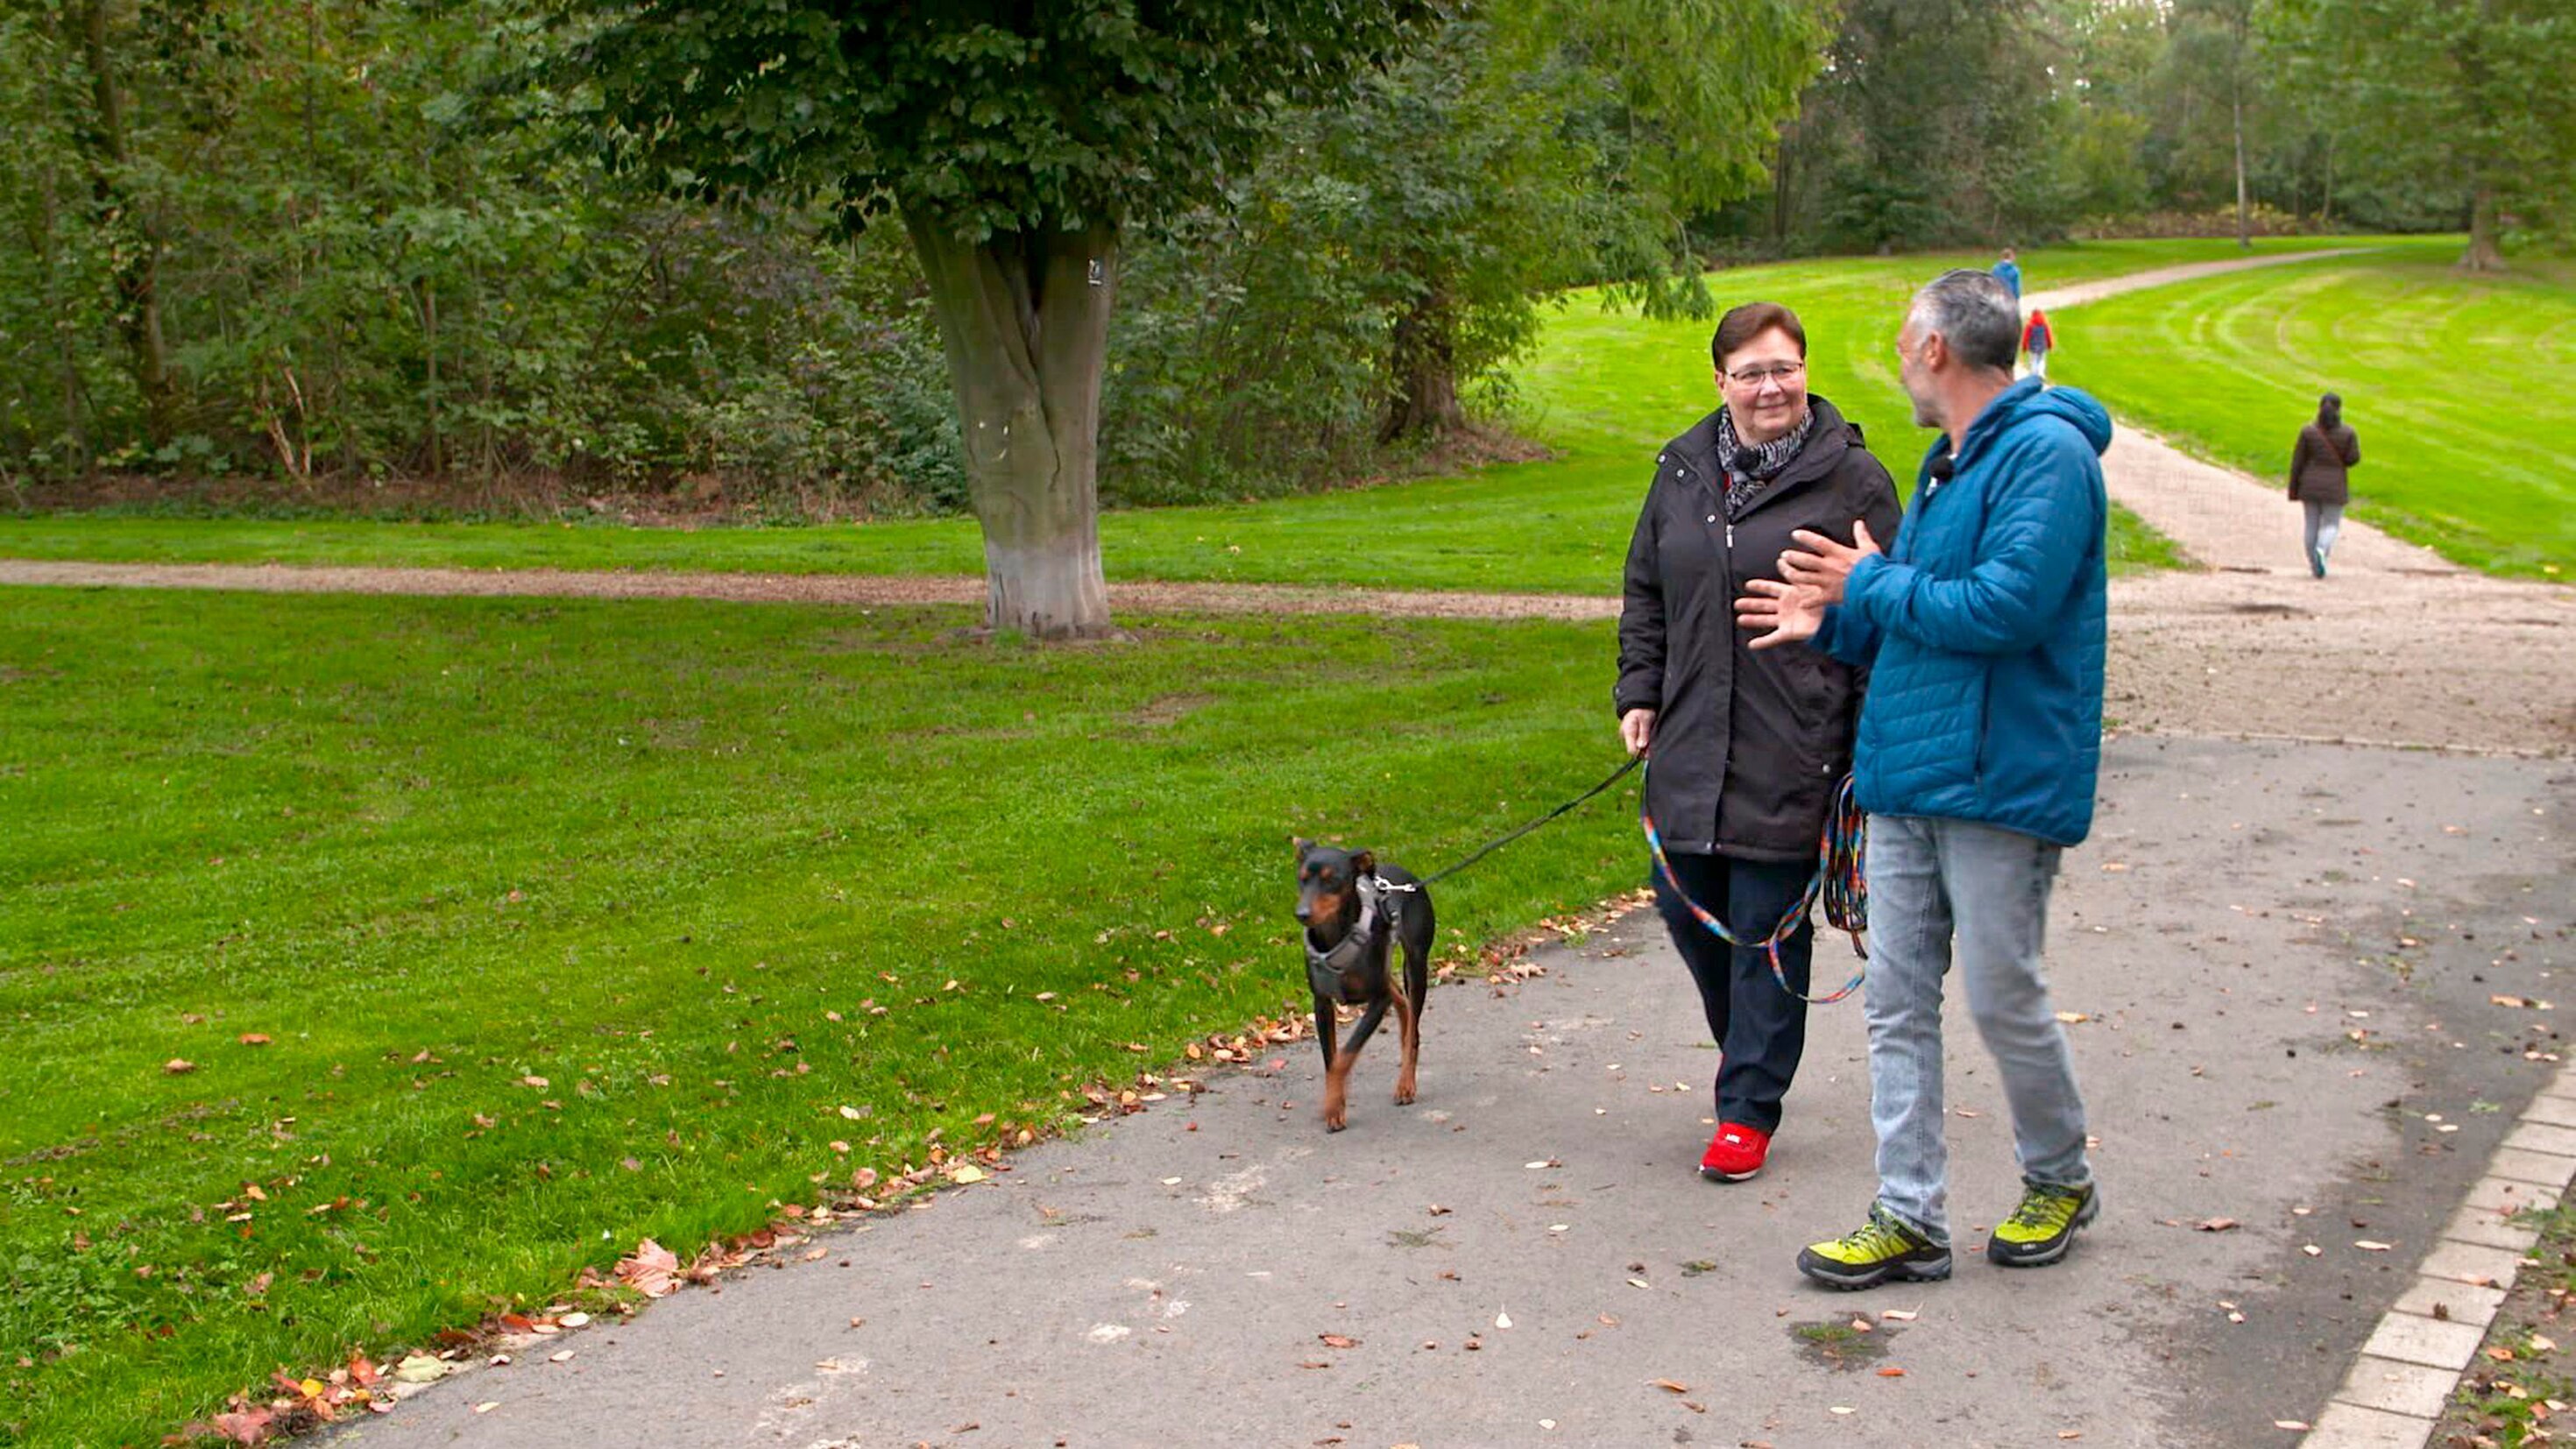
[
  {"x": 1604, "y": 389},
  {"x": 2463, "y": 388},
  {"x": 668, "y": 858}
]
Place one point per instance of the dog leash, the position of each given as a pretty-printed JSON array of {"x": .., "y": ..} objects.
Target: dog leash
[
  {"x": 1490, "y": 847},
  {"x": 1839, "y": 882}
]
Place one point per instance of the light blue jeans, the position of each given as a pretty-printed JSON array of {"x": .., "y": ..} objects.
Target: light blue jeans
[
  {"x": 2323, "y": 521},
  {"x": 1928, "y": 880}
]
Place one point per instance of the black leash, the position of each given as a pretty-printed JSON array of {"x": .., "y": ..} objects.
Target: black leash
[{"x": 1612, "y": 779}]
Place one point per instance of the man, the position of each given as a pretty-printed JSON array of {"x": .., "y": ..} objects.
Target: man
[
  {"x": 2008, "y": 272},
  {"x": 1979, "y": 741}
]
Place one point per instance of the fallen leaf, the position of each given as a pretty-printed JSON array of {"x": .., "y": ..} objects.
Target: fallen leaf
[
  {"x": 2508, "y": 1001},
  {"x": 254, "y": 1038},
  {"x": 652, "y": 1271},
  {"x": 1898, "y": 1315},
  {"x": 486, "y": 1406},
  {"x": 2218, "y": 1225},
  {"x": 2071, "y": 1018},
  {"x": 2293, "y": 1425},
  {"x": 420, "y": 1368},
  {"x": 1891, "y": 1373},
  {"x": 2367, "y": 1246},
  {"x": 1668, "y": 1386},
  {"x": 2311, "y": 1249},
  {"x": 180, "y": 1067},
  {"x": 1338, "y": 1340}
]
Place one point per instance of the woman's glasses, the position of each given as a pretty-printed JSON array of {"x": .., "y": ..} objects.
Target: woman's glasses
[{"x": 1760, "y": 373}]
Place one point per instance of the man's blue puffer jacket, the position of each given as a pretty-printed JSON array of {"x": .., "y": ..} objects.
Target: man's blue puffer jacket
[{"x": 1984, "y": 630}]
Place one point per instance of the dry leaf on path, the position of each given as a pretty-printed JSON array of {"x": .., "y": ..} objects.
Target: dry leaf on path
[
  {"x": 2217, "y": 1225},
  {"x": 653, "y": 1270},
  {"x": 1338, "y": 1340},
  {"x": 1668, "y": 1386}
]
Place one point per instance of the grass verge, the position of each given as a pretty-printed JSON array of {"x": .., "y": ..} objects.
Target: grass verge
[{"x": 572, "y": 923}]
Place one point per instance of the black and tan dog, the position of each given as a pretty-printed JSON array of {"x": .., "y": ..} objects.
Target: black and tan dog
[{"x": 1355, "y": 913}]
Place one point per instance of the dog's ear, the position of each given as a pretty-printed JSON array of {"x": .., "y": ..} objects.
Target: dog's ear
[
  {"x": 1364, "y": 863},
  {"x": 1304, "y": 847}
]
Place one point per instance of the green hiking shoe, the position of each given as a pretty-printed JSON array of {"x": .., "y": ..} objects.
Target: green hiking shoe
[
  {"x": 1881, "y": 1249},
  {"x": 2040, "y": 1230}
]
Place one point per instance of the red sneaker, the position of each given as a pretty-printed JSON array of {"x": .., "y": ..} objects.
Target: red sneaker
[{"x": 1735, "y": 1153}]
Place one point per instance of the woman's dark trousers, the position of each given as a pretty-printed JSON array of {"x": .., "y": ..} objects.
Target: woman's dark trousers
[{"x": 1760, "y": 1029}]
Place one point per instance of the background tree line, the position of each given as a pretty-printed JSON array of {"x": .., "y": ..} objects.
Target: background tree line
[{"x": 323, "y": 243}]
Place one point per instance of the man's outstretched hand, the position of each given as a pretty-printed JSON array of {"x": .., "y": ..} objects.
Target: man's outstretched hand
[
  {"x": 1789, "y": 613},
  {"x": 1826, "y": 564}
]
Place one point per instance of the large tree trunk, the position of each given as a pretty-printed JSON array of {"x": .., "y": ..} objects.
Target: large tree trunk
[
  {"x": 138, "y": 276},
  {"x": 1025, "y": 316},
  {"x": 2483, "y": 255},
  {"x": 1425, "y": 370}
]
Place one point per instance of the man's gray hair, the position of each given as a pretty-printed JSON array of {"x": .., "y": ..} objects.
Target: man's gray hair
[{"x": 1973, "y": 313}]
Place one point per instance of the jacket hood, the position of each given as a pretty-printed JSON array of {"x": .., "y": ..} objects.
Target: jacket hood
[{"x": 2030, "y": 399}]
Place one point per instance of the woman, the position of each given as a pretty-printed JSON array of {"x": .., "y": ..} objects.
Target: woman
[
  {"x": 2325, "y": 449},
  {"x": 1746, "y": 749}
]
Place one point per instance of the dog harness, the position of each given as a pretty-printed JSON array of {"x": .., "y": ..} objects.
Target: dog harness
[{"x": 1380, "y": 904}]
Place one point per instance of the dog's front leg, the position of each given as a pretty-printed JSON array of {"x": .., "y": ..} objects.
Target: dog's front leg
[
  {"x": 1327, "y": 1025},
  {"x": 1337, "y": 1077},
  {"x": 1408, "y": 1025}
]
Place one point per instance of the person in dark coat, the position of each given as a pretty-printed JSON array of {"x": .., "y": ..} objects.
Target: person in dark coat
[
  {"x": 2318, "y": 482},
  {"x": 1745, "y": 750}
]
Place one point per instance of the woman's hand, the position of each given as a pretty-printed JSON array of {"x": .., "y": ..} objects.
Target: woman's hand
[{"x": 1637, "y": 730}]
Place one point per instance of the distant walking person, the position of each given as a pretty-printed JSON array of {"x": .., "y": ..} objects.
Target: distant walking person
[
  {"x": 2326, "y": 448},
  {"x": 2036, "y": 339},
  {"x": 2008, "y": 272}
]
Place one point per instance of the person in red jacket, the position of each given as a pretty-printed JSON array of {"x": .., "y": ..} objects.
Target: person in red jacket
[{"x": 2036, "y": 339}]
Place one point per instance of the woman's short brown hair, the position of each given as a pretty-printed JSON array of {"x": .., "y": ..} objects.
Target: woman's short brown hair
[{"x": 1742, "y": 324}]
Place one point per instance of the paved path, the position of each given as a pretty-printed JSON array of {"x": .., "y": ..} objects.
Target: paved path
[{"x": 1525, "y": 1257}]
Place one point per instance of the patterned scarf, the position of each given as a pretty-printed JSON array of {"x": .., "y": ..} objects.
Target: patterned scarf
[{"x": 1751, "y": 467}]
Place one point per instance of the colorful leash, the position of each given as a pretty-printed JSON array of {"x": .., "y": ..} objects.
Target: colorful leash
[{"x": 1838, "y": 883}]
